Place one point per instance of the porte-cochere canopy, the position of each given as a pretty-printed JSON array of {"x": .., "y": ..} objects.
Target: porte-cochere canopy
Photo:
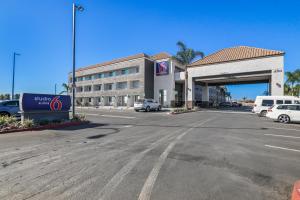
[{"x": 237, "y": 65}]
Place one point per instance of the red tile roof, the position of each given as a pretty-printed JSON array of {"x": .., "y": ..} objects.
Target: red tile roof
[
  {"x": 235, "y": 54},
  {"x": 162, "y": 55}
]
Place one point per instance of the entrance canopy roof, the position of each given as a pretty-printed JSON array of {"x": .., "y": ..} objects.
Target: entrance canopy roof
[{"x": 235, "y": 54}]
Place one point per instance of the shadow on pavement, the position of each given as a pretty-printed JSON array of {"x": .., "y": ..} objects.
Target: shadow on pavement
[{"x": 83, "y": 126}]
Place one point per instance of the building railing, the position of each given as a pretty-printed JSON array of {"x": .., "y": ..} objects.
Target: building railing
[{"x": 179, "y": 76}]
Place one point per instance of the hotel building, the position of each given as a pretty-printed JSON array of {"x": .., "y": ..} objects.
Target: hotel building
[{"x": 121, "y": 82}]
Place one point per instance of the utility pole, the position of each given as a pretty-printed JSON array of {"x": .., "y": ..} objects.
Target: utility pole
[
  {"x": 13, "y": 76},
  {"x": 75, "y": 8}
]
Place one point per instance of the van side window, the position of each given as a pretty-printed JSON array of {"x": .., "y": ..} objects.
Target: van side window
[
  {"x": 292, "y": 107},
  {"x": 279, "y": 101},
  {"x": 287, "y": 102},
  {"x": 282, "y": 107},
  {"x": 267, "y": 103},
  {"x": 296, "y": 102}
]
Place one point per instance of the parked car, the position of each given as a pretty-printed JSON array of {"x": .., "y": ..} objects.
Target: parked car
[
  {"x": 284, "y": 113},
  {"x": 262, "y": 103},
  {"x": 236, "y": 104},
  {"x": 225, "y": 104},
  {"x": 10, "y": 108},
  {"x": 147, "y": 105}
]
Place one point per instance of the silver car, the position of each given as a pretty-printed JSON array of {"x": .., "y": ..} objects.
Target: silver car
[
  {"x": 147, "y": 105},
  {"x": 10, "y": 108}
]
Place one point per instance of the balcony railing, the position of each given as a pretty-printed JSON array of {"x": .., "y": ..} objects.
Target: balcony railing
[{"x": 179, "y": 76}]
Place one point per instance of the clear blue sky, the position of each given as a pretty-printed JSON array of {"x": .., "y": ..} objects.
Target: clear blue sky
[{"x": 41, "y": 32}]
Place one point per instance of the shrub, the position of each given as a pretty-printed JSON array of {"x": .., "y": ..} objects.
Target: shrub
[
  {"x": 79, "y": 118},
  {"x": 28, "y": 123},
  {"x": 9, "y": 123},
  {"x": 5, "y": 120}
]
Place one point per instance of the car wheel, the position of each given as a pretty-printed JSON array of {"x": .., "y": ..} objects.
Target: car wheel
[
  {"x": 158, "y": 108},
  {"x": 148, "y": 109},
  {"x": 136, "y": 110},
  {"x": 284, "y": 119},
  {"x": 4, "y": 114},
  {"x": 263, "y": 113}
]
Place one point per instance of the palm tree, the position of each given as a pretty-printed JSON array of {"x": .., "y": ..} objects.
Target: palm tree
[
  {"x": 186, "y": 56},
  {"x": 65, "y": 87},
  {"x": 297, "y": 90},
  {"x": 292, "y": 79},
  {"x": 287, "y": 89}
]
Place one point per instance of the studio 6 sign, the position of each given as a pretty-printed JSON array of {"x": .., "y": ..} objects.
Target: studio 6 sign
[
  {"x": 162, "y": 68},
  {"x": 45, "y": 102}
]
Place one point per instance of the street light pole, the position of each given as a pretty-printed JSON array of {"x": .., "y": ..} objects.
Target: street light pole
[
  {"x": 13, "y": 76},
  {"x": 79, "y": 8},
  {"x": 55, "y": 89}
]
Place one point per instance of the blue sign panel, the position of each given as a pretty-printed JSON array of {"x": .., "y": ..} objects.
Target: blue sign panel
[
  {"x": 162, "y": 68},
  {"x": 45, "y": 102}
]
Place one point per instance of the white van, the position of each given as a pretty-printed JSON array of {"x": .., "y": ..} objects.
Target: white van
[{"x": 262, "y": 103}]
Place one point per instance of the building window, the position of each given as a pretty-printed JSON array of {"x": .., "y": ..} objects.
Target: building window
[
  {"x": 97, "y": 87},
  {"x": 79, "y": 79},
  {"x": 88, "y": 88},
  {"x": 108, "y": 86},
  {"x": 79, "y": 89},
  {"x": 133, "y": 70},
  {"x": 90, "y": 100},
  {"x": 124, "y": 71},
  {"x": 121, "y": 85},
  {"x": 87, "y": 78},
  {"x": 134, "y": 84}
]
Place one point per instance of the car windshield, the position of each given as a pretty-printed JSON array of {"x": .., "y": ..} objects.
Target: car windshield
[{"x": 140, "y": 101}]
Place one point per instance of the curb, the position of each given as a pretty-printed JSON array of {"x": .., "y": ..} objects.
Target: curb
[
  {"x": 177, "y": 113},
  {"x": 296, "y": 191},
  {"x": 48, "y": 126}
]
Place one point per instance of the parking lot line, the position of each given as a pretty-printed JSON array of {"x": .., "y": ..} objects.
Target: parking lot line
[
  {"x": 91, "y": 114},
  {"x": 118, "y": 116},
  {"x": 288, "y": 129},
  {"x": 286, "y": 136},
  {"x": 146, "y": 191},
  {"x": 283, "y": 148}
]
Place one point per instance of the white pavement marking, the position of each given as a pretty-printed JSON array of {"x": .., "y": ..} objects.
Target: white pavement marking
[
  {"x": 288, "y": 129},
  {"x": 128, "y": 126},
  {"x": 228, "y": 112},
  {"x": 286, "y": 136},
  {"x": 283, "y": 148},
  {"x": 149, "y": 183},
  {"x": 91, "y": 114},
  {"x": 118, "y": 116},
  {"x": 118, "y": 177}
]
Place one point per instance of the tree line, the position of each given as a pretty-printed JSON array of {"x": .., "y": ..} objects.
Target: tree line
[
  {"x": 292, "y": 83},
  {"x": 7, "y": 96}
]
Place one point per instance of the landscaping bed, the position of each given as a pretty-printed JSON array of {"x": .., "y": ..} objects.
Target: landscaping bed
[
  {"x": 181, "y": 111},
  {"x": 11, "y": 124}
]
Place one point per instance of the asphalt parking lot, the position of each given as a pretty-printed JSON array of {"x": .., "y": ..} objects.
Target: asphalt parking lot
[{"x": 126, "y": 155}]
